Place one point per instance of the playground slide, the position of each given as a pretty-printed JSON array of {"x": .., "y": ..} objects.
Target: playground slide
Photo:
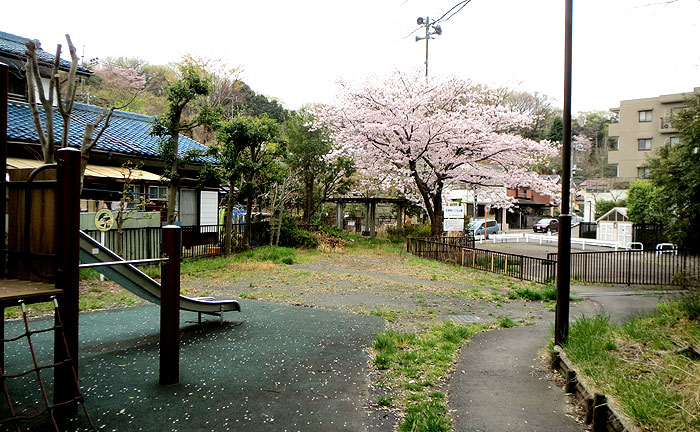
[{"x": 141, "y": 284}]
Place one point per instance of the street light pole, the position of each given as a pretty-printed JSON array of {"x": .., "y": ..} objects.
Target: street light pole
[{"x": 561, "y": 324}]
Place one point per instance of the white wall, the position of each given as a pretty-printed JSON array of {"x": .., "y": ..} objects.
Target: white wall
[{"x": 209, "y": 208}]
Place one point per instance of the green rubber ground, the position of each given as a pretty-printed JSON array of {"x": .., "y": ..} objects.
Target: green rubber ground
[{"x": 269, "y": 368}]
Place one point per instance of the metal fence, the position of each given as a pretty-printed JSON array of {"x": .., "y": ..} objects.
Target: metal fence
[
  {"x": 197, "y": 241},
  {"x": 634, "y": 267},
  {"x": 517, "y": 266}
]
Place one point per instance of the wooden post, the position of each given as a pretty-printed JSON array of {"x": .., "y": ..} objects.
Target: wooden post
[
  {"x": 4, "y": 81},
  {"x": 170, "y": 307},
  {"x": 67, "y": 271},
  {"x": 600, "y": 413}
]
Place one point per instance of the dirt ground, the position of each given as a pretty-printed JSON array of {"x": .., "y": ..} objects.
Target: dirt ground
[{"x": 409, "y": 292}]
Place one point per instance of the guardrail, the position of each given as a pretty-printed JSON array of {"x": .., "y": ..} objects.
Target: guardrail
[{"x": 546, "y": 238}]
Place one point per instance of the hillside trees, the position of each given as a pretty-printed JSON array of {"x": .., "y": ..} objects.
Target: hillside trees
[
  {"x": 168, "y": 127},
  {"x": 308, "y": 149},
  {"x": 424, "y": 136},
  {"x": 249, "y": 146}
]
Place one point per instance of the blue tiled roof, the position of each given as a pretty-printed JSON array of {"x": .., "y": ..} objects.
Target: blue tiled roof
[
  {"x": 127, "y": 134},
  {"x": 14, "y": 46}
]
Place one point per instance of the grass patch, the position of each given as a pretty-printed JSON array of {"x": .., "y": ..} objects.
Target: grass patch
[
  {"x": 506, "y": 322},
  {"x": 388, "y": 314},
  {"x": 534, "y": 292},
  {"x": 642, "y": 365},
  {"x": 415, "y": 364}
]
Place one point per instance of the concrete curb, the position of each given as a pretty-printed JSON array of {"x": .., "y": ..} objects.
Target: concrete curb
[{"x": 601, "y": 412}]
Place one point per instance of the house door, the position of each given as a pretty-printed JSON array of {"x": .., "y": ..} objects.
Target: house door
[
  {"x": 188, "y": 207},
  {"x": 624, "y": 234},
  {"x": 606, "y": 231}
]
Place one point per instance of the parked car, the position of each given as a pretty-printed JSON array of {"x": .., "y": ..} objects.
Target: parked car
[
  {"x": 546, "y": 225},
  {"x": 477, "y": 227}
]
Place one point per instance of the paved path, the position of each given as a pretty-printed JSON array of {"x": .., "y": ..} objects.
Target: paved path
[{"x": 499, "y": 383}]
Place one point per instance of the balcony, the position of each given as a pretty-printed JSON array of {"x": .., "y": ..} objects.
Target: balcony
[{"x": 665, "y": 126}]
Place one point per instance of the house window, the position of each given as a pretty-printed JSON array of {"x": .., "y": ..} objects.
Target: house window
[
  {"x": 158, "y": 192},
  {"x": 674, "y": 140},
  {"x": 644, "y": 144},
  {"x": 644, "y": 116},
  {"x": 642, "y": 172},
  {"x": 617, "y": 169},
  {"x": 614, "y": 143}
]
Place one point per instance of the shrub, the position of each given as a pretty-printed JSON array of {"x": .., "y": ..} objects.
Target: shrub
[
  {"x": 293, "y": 236},
  {"x": 408, "y": 231}
]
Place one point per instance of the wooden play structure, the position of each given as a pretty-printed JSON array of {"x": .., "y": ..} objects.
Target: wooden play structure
[{"x": 42, "y": 263}]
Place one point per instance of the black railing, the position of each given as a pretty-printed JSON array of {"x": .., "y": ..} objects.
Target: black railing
[
  {"x": 634, "y": 267},
  {"x": 517, "y": 266},
  {"x": 197, "y": 241}
]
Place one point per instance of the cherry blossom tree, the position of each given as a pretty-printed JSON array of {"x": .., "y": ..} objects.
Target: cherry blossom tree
[{"x": 423, "y": 137}]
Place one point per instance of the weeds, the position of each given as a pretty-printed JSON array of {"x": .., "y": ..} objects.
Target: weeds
[
  {"x": 642, "y": 364},
  {"x": 534, "y": 293},
  {"x": 416, "y": 364},
  {"x": 506, "y": 322}
]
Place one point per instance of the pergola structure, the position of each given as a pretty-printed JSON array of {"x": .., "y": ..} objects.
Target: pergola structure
[{"x": 370, "y": 209}]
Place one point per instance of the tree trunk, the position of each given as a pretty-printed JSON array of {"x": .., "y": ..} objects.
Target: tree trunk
[
  {"x": 436, "y": 223},
  {"x": 173, "y": 185},
  {"x": 279, "y": 229},
  {"x": 248, "y": 217},
  {"x": 308, "y": 201},
  {"x": 120, "y": 230},
  {"x": 228, "y": 221}
]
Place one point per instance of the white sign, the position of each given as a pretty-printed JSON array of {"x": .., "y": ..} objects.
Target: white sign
[
  {"x": 453, "y": 224},
  {"x": 456, "y": 212},
  {"x": 351, "y": 223}
]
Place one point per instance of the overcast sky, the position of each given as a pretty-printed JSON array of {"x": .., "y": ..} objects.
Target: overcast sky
[{"x": 296, "y": 50}]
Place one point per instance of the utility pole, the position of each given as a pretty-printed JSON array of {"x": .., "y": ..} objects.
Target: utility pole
[
  {"x": 561, "y": 323},
  {"x": 437, "y": 30}
]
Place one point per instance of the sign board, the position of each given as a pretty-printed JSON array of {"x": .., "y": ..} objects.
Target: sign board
[
  {"x": 351, "y": 223},
  {"x": 456, "y": 212},
  {"x": 104, "y": 219},
  {"x": 453, "y": 224}
]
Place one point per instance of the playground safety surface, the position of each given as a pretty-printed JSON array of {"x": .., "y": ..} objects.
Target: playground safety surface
[{"x": 269, "y": 368}]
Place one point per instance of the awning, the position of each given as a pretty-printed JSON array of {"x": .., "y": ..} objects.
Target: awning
[{"x": 91, "y": 171}]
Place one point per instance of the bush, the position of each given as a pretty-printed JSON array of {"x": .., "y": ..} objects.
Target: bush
[
  {"x": 334, "y": 231},
  {"x": 408, "y": 231},
  {"x": 293, "y": 236}
]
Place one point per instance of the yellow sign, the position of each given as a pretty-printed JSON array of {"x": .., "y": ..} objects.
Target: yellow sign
[{"x": 104, "y": 219}]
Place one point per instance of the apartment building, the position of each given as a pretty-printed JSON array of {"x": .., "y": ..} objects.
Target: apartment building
[{"x": 643, "y": 125}]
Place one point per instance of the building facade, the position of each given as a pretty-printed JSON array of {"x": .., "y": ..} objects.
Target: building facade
[{"x": 643, "y": 126}]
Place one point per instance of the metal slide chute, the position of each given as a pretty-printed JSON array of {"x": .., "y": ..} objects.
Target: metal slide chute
[{"x": 140, "y": 284}]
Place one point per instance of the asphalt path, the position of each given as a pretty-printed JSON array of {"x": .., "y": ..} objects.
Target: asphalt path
[{"x": 500, "y": 384}]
